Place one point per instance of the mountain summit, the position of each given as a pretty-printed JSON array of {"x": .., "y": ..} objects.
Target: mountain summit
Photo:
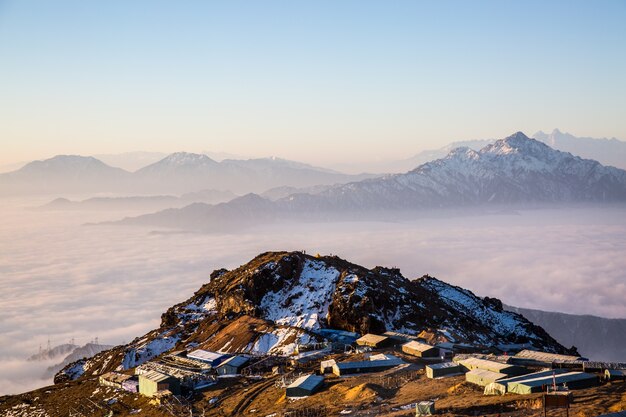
[{"x": 281, "y": 299}]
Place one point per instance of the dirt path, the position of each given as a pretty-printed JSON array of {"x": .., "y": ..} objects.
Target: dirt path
[{"x": 251, "y": 395}]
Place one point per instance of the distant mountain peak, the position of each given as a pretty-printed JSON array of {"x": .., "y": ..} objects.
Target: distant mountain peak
[
  {"x": 518, "y": 143},
  {"x": 463, "y": 152},
  {"x": 187, "y": 158}
]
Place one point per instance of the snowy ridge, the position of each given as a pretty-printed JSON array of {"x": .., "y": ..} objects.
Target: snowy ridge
[
  {"x": 302, "y": 303},
  {"x": 466, "y": 302}
]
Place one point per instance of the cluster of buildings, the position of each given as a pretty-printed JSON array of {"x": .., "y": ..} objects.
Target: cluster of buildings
[
  {"x": 525, "y": 372},
  {"x": 176, "y": 373}
]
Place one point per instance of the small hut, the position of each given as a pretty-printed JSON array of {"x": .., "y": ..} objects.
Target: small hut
[
  {"x": 421, "y": 350},
  {"x": 113, "y": 379},
  {"x": 153, "y": 382},
  {"x": 305, "y": 386},
  {"x": 438, "y": 370},
  {"x": 232, "y": 365},
  {"x": 615, "y": 374},
  {"x": 374, "y": 341}
]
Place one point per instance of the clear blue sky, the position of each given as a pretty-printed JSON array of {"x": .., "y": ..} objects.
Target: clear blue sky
[{"x": 313, "y": 81}]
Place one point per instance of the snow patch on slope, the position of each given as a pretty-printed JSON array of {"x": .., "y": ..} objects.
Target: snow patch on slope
[
  {"x": 143, "y": 353},
  {"x": 303, "y": 302},
  {"x": 502, "y": 322}
]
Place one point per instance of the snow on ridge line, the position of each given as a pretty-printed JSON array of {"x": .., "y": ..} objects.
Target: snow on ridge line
[{"x": 503, "y": 322}]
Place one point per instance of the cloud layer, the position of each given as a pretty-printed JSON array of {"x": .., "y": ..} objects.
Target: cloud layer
[{"x": 59, "y": 279}]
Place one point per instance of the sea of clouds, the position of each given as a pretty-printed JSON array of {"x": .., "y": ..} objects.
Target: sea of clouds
[{"x": 60, "y": 279}]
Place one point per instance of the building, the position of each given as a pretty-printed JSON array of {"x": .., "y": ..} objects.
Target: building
[
  {"x": 338, "y": 336},
  {"x": 532, "y": 357},
  {"x": 383, "y": 357},
  {"x": 232, "y": 365},
  {"x": 374, "y": 341},
  {"x": 400, "y": 338},
  {"x": 131, "y": 384},
  {"x": 327, "y": 366},
  {"x": 532, "y": 383},
  {"x": 492, "y": 366},
  {"x": 425, "y": 408},
  {"x": 152, "y": 382},
  {"x": 206, "y": 356},
  {"x": 483, "y": 377},
  {"x": 305, "y": 385},
  {"x": 500, "y": 387},
  {"x": 615, "y": 374},
  {"x": 421, "y": 350},
  {"x": 361, "y": 367},
  {"x": 113, "y": 379},
  {"x": 438, "y": 370}
]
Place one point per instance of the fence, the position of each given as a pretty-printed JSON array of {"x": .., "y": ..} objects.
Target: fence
[{"x": 395, "y": 380}]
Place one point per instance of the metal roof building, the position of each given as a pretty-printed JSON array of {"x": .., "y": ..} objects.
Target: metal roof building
[
  {"x": 492, "y": 366},
  {"x": 573, "y": 380},
  {"x": 152, "y": 382},
  {"x": 232, "y": 365},
  {"x": 534, "y": 357},
  {"x": 400, "y": 338},
  {"x": 421, "y": 350},
  {"x": 500, "y": 387},
  {"x": 483, "y": 377},
  {"x": 383, "y": 357},
  {"x": 327, "y": 366},
  {"x": 305, "y": 385},
  {"x": 346, "y": 368},
  {"x": 437, "y": 370},
  {"x": 373, "y": 340},
  {"x": 612, "y": 374},
  {"x": 206, "y": 356},
  {"x": 113, "y": 379},
  {"x": 339, "y": 336}
]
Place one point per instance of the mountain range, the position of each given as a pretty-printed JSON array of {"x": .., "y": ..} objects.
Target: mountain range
[
  {"x": 145, "y": 203},
  {"x": 596, "y": 337},
  {"x": 514, "y": 171},
  {"x": 281, "y": 299},
  {"x": 177, "y": 173}
]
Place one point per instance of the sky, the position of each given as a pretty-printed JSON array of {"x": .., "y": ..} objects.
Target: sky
[{"x": 320, "y": 82}]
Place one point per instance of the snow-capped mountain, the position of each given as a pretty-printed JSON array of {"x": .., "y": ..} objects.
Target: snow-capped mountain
[
  {"x": 516, "y": 171},
  {"x": 607, "y": 151},
  {"x": 423, "y": 157},
  {"x": 610, "y": 152},
  {"x": 280, "y": 299}
]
